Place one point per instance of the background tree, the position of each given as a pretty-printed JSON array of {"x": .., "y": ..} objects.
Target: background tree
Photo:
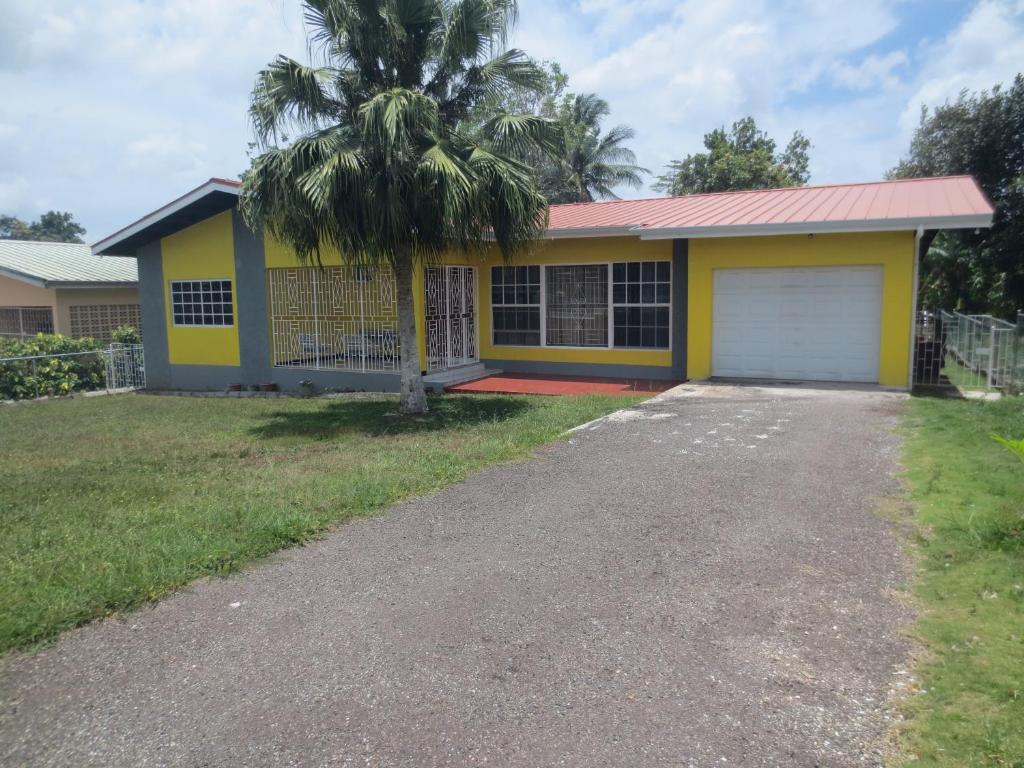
[
  {"x": 585, "y": 163},
  {"x": 382, "y": 168},
  {"x": 582, "y": 163},
  {"x": 52, "y": 226},
  {"x": 981, "y": 134},
  {"x": 743, "y": 158}
]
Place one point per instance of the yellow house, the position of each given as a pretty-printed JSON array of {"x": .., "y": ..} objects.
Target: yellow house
[{"x": 808, "y": 283}]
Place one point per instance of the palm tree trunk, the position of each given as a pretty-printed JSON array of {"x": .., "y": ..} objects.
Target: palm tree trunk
[{"x": 413, "y": 397}]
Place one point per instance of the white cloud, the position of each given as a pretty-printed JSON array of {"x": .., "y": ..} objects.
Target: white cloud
[
  {"x": 121, "y": 105},
  {"x": 872, "y": 72},
  {"x": 986, "y": 49},
  {"x": 113, "y": 107}
]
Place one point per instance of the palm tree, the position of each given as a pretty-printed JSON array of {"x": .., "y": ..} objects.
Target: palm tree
[
  {"x": 377, "y": 167},
  {"x": 588, "y": 164}
]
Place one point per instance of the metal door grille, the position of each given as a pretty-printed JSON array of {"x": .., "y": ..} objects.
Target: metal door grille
[{"x": 450, "y": 317}]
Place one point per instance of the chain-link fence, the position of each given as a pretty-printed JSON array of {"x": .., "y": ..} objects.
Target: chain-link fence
[
  {"x": 115, "y": 367},
  {"x": 969, "y": 352}
]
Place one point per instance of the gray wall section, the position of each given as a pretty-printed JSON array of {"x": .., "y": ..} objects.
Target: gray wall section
[
  {"x": 218, "y": 377},
  {"x": 154, "y": 315},
  {"x": 251, "y": 302},
  {"x": 680, "y": 297}
]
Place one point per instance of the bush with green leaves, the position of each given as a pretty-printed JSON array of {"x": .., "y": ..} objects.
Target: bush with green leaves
[
  {"x": 126, "y": 334},
  {"x": 43, "y": 373}
]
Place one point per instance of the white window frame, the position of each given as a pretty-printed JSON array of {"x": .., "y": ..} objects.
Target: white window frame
[
  {"x": 234, "y": 305},
  {"x": 611, "y": 308},
  {"x": 539, "y": 305},
  {"x": 656, "y": 305}
]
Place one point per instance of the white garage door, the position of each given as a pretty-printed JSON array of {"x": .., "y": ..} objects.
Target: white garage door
[{"x": 815, "y": 323}]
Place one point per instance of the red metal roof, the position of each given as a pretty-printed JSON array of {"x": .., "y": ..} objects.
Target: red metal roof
[{"x": 944, "y": 202}]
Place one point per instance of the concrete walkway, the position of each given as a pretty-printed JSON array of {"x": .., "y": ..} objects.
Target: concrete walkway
[{"x": 700, "y": 581}]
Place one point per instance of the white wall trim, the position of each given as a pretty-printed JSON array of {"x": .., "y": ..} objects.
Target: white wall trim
[{"x": 821, "y": 227}]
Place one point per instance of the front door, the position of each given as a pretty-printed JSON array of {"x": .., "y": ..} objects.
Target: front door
[{"x": 451, "y": 317}]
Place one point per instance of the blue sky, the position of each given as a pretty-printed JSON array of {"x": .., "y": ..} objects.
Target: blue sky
[{"x": 112, "y": 108}]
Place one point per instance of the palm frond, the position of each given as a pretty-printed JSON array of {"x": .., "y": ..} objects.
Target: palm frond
[{"x": 289, "y": 93}]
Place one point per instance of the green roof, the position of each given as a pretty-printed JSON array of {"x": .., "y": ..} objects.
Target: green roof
[{"x": 56, "y": 264}]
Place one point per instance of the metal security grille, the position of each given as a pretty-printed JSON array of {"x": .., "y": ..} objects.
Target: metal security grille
[
  {"x": 335, "y": 318},
  {"x": 22, "y": 322},
  {"x": 577, "y": 306},
  {"x": 450, "y": 317},
  {"x": 969, "y": 352},
  {"x": 99, "y": 321}
]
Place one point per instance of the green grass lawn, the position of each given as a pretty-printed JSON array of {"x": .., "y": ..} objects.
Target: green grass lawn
[
  {"x": 969, "y": 496},
  {"x": 107, "y": 502}
]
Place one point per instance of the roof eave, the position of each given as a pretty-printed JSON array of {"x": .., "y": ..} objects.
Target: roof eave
[
  {"x": 109, "y": 245},
  {"x": 14, "y": 274},
  {"x": 82, "y": 284},
  {"x": 820, "y": 227},
  {"x": 618, "y": 231}
]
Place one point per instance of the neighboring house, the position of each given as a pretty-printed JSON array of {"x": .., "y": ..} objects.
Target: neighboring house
[
  {"x": 810, "y": 283},
  {"x": 64, "y": 288}
]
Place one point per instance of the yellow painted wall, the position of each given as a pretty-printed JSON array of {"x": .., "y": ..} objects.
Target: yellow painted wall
[
  {"x": 204, "y": 251},
  {"x": 893, "y": 251},
  {"x": 570, "y": 251}
]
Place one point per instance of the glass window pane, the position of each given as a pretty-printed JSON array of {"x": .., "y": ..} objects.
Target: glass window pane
[
  {"x": 647, "y": 271},
  {"x": 664, "y": 271}
]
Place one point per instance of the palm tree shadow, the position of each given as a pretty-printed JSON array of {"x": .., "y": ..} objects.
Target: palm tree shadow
[{"x": 379, "y": 418}]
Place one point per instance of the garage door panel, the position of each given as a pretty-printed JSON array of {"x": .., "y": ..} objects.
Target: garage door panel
[{"x": 819, "y": 323}]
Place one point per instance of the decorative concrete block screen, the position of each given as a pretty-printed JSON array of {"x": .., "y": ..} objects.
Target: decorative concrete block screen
[
  {"x": 99, "y": 321},
  {"x": 336, "y": 318}
]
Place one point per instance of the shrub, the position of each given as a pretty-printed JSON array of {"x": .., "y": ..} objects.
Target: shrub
[
  {"x": 126, "y": 334},
  {"x": 23, "y": 379}
]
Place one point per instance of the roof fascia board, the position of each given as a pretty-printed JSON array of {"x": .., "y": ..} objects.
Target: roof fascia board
[
  {"x": 558, "y": 234},
  {"x": 162, "y": 213},
  {"x": 79, "y": 285},
  {"x": 821, "y": 227},
  {"x": 14, "y": 274}
]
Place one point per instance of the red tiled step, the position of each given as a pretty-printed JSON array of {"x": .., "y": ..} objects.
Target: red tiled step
[{"x": 528, "y": 384}]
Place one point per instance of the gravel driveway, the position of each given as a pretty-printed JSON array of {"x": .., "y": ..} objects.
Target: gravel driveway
[{"x": 700, "y": 581}]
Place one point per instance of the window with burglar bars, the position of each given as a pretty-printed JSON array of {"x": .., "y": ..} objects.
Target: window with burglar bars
[
  {"x": 99, "y": 321},
  {"x": 22, "y": 322},
  {"x": 335, "y": 318},
  {"x": 577, "y": 306},
  {"x": 622, "y": 304}
]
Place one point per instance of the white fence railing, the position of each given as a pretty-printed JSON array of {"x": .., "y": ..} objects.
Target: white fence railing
[
  {"x": 969, "y": 351},
  {"x": 115, "y": 367}
]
